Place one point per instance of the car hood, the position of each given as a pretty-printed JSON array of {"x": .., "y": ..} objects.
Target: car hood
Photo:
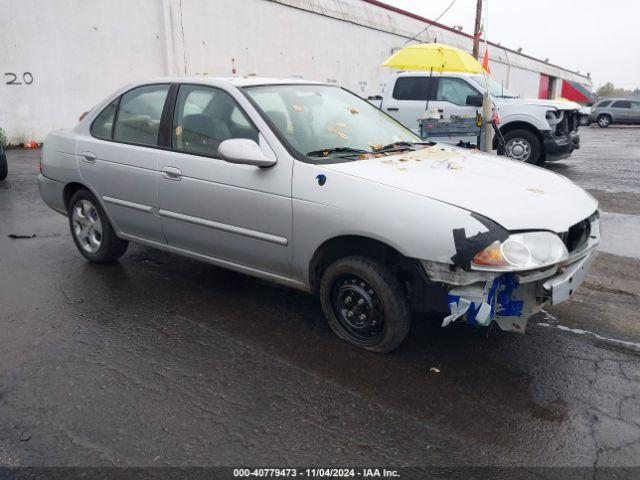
[
  {"x": 516, "y": 195},
  {"x": 558, "y": 104}
]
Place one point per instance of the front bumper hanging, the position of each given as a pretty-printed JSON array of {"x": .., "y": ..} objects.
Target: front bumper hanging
[{"x": 510, "y": 299}]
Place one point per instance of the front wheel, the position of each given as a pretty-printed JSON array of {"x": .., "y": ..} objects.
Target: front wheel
[
  {"x": 584, "y": 120},
  {"x": 604, "y": 121},
  {"x": 524, "y": 146},
  {"x": 91, "y": 230},
  {"x": 365, "y": 304}
]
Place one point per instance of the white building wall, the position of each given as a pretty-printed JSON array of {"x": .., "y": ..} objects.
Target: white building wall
[{"x": 76, "y": 52}]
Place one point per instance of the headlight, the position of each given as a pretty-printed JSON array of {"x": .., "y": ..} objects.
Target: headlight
[
  {"x": 554, "y": 117},
  {"x": 521, "y": 251}
]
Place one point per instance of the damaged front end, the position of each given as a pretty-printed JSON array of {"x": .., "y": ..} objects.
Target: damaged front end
[
  {"x": 480, "y": 298},
  {"x": 490, "y": 280}
]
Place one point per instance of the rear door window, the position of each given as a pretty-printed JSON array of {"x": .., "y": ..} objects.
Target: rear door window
[
  {"x": 138, "y": 117},
  {"x": 622, "y": 104},
  {"x": 413, "y": 88}
]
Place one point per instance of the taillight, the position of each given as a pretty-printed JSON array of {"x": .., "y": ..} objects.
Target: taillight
[{"x": 82, "y": 116}]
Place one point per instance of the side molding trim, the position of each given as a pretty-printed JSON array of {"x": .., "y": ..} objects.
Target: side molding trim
[
  {"x": 245, "y": 232},
  {"x": 124, "y": 203}
]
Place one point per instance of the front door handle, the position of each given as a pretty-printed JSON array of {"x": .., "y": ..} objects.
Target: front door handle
[
  {"x": 172, "y": 173},
  {"x": 88, "y": 157},
  {"x": 392, "y": 109}
]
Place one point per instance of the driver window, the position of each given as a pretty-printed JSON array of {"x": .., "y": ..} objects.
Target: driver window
[
  {"x": 454, "y": 90},
  {"x": 205, "y": 117}
]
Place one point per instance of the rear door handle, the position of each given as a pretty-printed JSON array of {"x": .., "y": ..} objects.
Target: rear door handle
[
  {"x": 172, "y": 173},
  {"x": 88, "y": 157},
  {"x": 392, "y": 109}
]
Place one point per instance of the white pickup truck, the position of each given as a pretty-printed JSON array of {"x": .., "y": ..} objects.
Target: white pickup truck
[{"x": 534, "y": 130}]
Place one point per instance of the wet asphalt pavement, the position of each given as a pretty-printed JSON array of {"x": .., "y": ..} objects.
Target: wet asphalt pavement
[{"x": 160, "y": 360}]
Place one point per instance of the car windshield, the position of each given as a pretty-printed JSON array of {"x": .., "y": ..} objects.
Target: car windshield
[
  {"x": 328, "y": 121},
  {"x": 496, "y": 89}
]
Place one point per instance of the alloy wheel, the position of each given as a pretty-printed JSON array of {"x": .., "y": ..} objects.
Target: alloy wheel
[{"x": 87, "y": 226}]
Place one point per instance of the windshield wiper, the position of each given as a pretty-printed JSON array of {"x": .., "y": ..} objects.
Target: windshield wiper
[
  {"x": 328, "y": 151},
  {"x": 398, "y": 146}
]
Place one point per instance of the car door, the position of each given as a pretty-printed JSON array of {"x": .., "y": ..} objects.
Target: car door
[
  {"x": 233, "y": 213},
  {"x": 621, "y": 110},
  {"x": 408, "y": 100},
  {"x": 119, "y": 160},
  {"x": 635, "y": 112}
]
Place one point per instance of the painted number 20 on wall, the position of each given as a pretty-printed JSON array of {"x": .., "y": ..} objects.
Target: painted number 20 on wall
[{"x": 13, "y": 79}]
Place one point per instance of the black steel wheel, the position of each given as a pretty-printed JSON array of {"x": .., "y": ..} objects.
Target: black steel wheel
[
  {"x": 357, "y": 309},
  {"x": 4, "y": 166},
  {"x": 365, "y": 304}
]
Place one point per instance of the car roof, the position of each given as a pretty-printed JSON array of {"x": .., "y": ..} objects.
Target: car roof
[
  {"x": 636, "y": 99},
  {"x": 246, "y": 81}
]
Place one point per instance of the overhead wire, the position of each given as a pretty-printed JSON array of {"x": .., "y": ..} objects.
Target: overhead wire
[{"x": 424, "y": 30}]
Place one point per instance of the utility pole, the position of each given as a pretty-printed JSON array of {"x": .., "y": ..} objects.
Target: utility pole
[
  {"x": 476, "y": 30},
  {"x": 486, "y": 98}
]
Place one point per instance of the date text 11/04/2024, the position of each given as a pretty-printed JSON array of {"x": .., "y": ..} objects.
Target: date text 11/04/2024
[{"x": 316, "y": 472}]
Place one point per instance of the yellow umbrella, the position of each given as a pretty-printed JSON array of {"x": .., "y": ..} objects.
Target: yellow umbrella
[{"x": 433, "y": 56}]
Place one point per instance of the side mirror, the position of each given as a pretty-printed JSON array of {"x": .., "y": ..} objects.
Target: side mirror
[
  {"x": 474, "y": 100},
  {"x": 244, "y": 151}
]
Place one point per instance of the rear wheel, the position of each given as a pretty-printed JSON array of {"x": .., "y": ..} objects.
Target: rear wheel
[
  {"x": 524, "y": 146},
  {"x": 604, "y": 121},
  {"x": 91, "y": 230},
  {"x": 365, "y": 304}
]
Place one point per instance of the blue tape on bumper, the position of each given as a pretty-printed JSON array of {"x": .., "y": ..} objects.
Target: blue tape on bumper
[{"x": 498, "y": 298}]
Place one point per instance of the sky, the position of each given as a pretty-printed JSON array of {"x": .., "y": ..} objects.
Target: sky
[{"x": 602, "y": 38}]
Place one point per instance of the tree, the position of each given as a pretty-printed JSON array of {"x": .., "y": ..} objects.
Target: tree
[
  {"x": 606, "y": 90},
  {"x": 610, "y": 90}
]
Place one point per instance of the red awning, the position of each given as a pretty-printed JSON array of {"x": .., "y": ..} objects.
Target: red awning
[{"x": 577, "y": 92}]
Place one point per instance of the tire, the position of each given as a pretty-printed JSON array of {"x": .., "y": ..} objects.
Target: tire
[
  {"x": 604, "y": 120},
  {"x": 4, "y": 167},
  {"x": 584, "y": 120},
  {"x": 523, "y": 146},
  {"x": 380, "y": 317},
  {"x": 91, "y": 230}
]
